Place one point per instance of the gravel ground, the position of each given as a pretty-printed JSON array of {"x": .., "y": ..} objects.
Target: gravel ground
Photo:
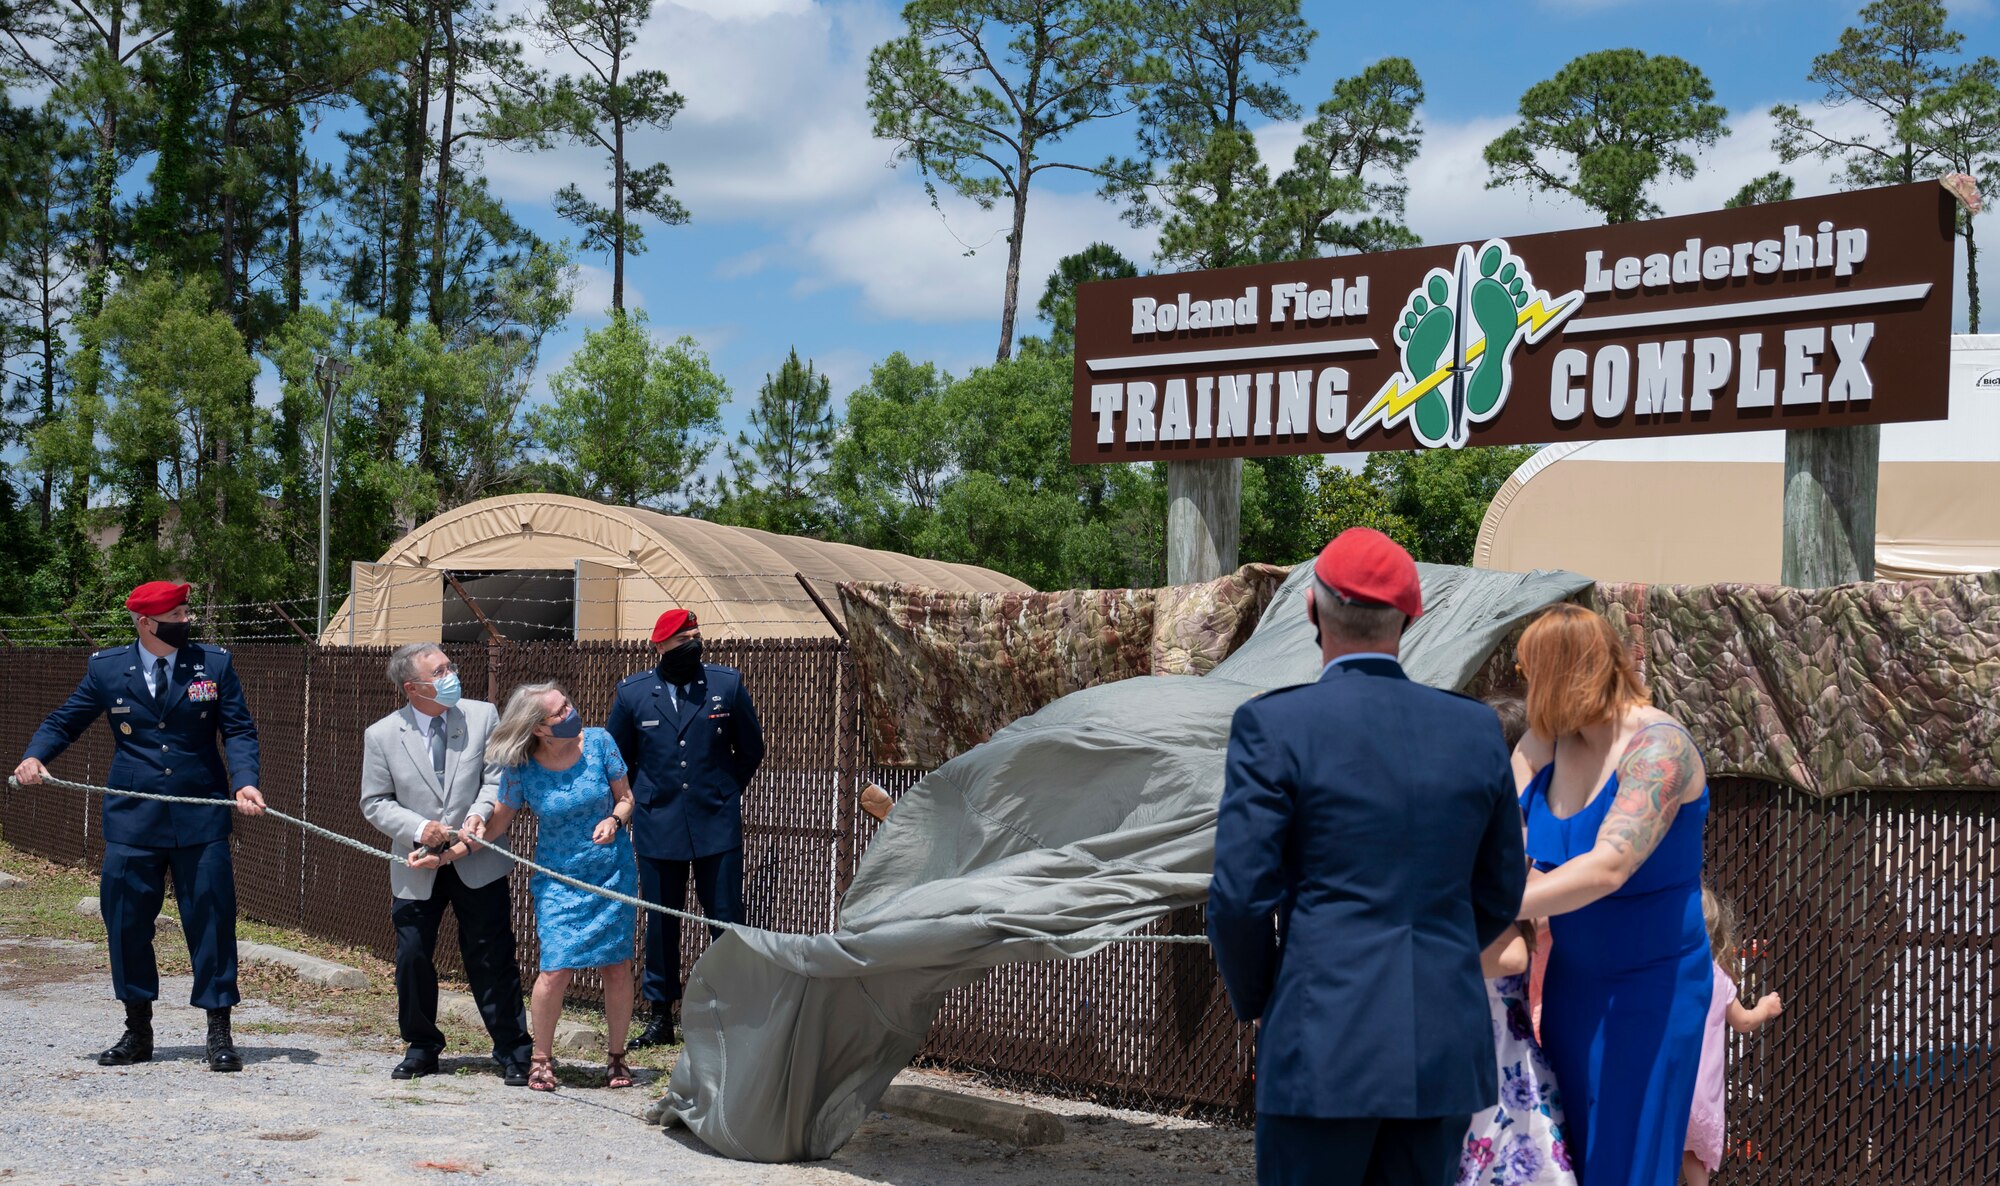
[{"x": 314, "y": 1108}]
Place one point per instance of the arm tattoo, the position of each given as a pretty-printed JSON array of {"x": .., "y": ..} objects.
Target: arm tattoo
[{"x": 1658, "y": 767}]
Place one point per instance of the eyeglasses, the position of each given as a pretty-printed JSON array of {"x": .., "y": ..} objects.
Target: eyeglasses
[{"x": 447, "y": 669}]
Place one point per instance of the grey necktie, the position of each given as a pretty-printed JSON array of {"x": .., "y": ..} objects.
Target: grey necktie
[{"x": 437, "y": 748}]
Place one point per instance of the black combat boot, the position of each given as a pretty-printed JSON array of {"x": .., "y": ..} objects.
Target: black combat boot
[
  {"x": 222, "y": 1054},
  {"x": 136, "y": 1044},
  {"x": 659, "y": 1029}
]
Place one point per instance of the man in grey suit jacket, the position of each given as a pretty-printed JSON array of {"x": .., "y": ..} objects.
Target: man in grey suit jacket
[{"x": 425, "y": 771}]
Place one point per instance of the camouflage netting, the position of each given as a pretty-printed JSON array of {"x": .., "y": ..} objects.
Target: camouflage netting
[
  {"x": 942, "y": 671},
  {"x": 1891, "y": 685}
]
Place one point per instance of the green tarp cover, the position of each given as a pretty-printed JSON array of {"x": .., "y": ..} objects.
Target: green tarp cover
[{"x": 1091, "y": 816}]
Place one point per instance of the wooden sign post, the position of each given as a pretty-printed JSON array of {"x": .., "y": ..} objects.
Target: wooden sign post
[{"x": 1204, "y": 518}]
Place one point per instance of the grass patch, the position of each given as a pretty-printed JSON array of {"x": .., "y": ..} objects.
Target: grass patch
[{"x": 45, "y": 908}]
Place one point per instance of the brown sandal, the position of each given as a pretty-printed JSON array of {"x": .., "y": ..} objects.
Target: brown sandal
[
  {"x": 542, "y": 1073},
  {"x": 616, "y": 1073}
]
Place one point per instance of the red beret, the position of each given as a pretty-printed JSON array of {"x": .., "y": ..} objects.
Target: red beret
[
  {"x": 156, "y": 597},
  {"x": 1362, "y": 564},
  {"x": 673, "y": 622}
]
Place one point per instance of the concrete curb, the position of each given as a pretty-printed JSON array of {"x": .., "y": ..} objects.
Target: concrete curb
[
  {"x": 310, "y": 967},
  {"x": 92, "y": 908},
  {"x": 572, "y": 1037},
  {"x": 1011, "y": 1124}
]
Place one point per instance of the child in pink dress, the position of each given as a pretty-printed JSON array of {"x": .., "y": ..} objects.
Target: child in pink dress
[{"x": 1705, "y": 1122}]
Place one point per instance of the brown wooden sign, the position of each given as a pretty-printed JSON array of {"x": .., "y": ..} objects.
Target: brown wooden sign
[{"x": 1806, "y": 314}]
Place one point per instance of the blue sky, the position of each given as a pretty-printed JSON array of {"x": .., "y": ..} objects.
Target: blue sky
[{"x": 804, "y": 235}]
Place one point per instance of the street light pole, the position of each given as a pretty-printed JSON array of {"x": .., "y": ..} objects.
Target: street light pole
[{"x": 328, "y": 372}]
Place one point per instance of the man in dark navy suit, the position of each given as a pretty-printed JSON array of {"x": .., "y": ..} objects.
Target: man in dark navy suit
[
  {"x": 168, "y": 700},
  {"x": 690, "y": 737},
  {"x": 1368, "y": 847}
]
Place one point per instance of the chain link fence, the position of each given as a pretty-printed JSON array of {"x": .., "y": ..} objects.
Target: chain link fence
[{"x": 1874, "y": 914}]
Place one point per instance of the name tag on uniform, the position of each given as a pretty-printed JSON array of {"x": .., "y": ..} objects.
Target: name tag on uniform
[
  {"x": 126, "y": 708},
  {"x": 647, "y": 724},
  {"x": 203, "y": 689}
]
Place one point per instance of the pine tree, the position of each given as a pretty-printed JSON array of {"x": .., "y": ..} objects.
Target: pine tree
[{"x": 775, "y": 482}]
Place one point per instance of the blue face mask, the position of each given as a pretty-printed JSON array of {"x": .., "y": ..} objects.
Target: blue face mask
[
  {"x": 568, "y": 727},
  {"x": 445, "y": 689}
]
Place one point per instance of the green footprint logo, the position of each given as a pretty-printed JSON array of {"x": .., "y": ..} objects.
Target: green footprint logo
[
  {"x": 1497, "y": 298},
  {"x": 1426, "y": 336},
  {"x": 1463, "y": 371}
]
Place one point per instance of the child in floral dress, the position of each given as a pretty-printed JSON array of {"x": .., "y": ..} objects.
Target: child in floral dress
[{"x": 1518, "y": 1141}]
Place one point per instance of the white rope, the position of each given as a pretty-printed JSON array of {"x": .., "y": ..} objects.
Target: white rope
[{"x": 517, "y": 858}]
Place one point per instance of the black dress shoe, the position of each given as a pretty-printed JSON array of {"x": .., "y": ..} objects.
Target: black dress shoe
[
  {"x": 222, "y": 1054},
  {"x": 135, "y": 1046},
  {"x": 416, "y": 1064},
  {"x": 659, "y": 1029},
  {"x": 514, "y": 1072}
]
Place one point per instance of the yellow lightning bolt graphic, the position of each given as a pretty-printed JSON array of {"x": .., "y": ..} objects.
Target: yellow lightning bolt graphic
[{"x": 1391, "y": 402}]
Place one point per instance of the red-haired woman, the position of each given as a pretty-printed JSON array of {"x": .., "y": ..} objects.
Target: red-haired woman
[{"x": 1615, "y": 799}]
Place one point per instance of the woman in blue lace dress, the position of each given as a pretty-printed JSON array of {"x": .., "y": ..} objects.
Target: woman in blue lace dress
[
  {"x": 1615, "y": 797},
  {"x": 573, "y": 779}
]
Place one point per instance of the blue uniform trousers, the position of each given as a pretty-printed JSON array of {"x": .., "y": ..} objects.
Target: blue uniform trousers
[
  {"x": 133, "y": 886},
  {"x": 718, "y": 884},
  {"x": 1311, "y": 1151}
]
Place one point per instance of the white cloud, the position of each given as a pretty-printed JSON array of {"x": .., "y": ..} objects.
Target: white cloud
[
  {"x": 776, "y": 118},
  {"x": 911, "y": 263},
  {"x": 592, "y": 300}
]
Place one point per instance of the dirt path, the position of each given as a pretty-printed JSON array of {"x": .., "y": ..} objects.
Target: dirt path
[{"x": 314, "y": 1106}]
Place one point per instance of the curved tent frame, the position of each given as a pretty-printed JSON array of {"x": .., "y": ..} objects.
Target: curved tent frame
[
  {"x": 1705, "y": 510},
  {"x": 629, "y": 564}
]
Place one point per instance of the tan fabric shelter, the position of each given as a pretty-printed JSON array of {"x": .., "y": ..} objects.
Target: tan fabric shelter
[
  {"x": 606, "y": 572},
  {"x": 1709, "y": 509}
]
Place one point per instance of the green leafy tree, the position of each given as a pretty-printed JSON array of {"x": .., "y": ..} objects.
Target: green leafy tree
[
  {"x": 1206, "y": 186},
  {"x": 174, "y": 426},
  {"x": 23, "y": 551},
  {"x": 1099, "y": 261},
  {"x": 1432, "y": 501},
  {"x": 476, "y": 389},
  {"x": 601, "y": 106},
  {"x": 1349, "y": 180},
  {"x": 1771, "y": 187},
  {"x": 633, "y": 419},
  {"x": 892, "y": 456},
  {"x": 980, "y": 94},
  {"x": 779, "y": 463},
  {"x": 977, "y": 471},
  {"x": 1345, "y": 498},
  {"x": 1886, "y": 65},
  {"x": 45, "y": 179},
  {"x": 1959, "y": 126},
  {"x": 1276, "y": 515},
  {"x": 1606, "y": 128},
  {"x": 1017, "y": 504}
]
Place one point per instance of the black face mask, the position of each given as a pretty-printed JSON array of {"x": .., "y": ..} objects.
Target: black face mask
[
  {"x": 173, "y": 634},
  {"x": 682, "y": 665}
]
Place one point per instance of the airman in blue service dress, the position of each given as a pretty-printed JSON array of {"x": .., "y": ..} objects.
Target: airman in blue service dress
[
  {"x": 690, "y": 735},
  {"x": 1374, "y": 819},
  {"x": 169, "y": 701}
]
